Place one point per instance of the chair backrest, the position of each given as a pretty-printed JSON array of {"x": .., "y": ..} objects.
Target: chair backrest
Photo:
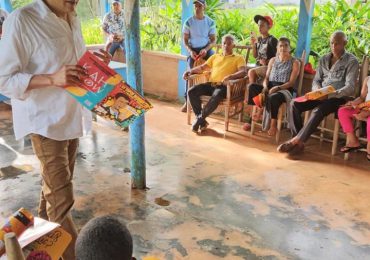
[
  {"x": 299, "y": 83},
  {"x": 363, "y": 72},
  {"x": 239, "y": 49}
]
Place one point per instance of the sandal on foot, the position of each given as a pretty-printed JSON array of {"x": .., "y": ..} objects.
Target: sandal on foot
[{"x": 347, "y": 149}]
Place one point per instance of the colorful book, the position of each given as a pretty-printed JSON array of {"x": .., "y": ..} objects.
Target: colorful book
[
  {"x": 364, "y": 106},
  {"x": 315, "y": 95},
  {"x": 104, "y": 92},
  {"x": 43, "y": 240}
]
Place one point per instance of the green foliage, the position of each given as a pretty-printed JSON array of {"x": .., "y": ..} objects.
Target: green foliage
[
  {"x": 285, "y": 23},
  {"x": 233, "y": 22},
  {"x": 214, "y": 8},
  {"x": 92, "y": 32},
  {"x": 161, "y": 26},
  {"x": 353, "y": 20},
  {"x": 19, "y": 3}
]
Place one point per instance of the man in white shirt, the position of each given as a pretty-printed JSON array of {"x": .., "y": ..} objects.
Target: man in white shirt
[
  {"x": 41, "y": 44},
  {"x": 3, "y": 15}
]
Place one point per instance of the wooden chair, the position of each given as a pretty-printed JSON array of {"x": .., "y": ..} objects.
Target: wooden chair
[
  {"x": 118, "y": 56},
  {"x": 334, "y": 131},
  {"x": 282, "y": 109},
  {"x": 234, "y": 101}
]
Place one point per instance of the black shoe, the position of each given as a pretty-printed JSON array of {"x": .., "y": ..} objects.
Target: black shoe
[
  {"x": 285, "y": 147},
  {"x": 297, "y": 150},
  {"x": 203, "y": 125},
  {"x": 196, "y": 124}
]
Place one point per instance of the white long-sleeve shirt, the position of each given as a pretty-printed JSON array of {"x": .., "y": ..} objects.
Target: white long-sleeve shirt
[{"x": 36, "y": 41}]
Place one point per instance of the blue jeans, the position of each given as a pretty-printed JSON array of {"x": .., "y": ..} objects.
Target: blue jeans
[{"x": 115, "y": 45}]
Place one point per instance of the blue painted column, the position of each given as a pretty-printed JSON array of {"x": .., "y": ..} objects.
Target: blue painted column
[
  {"x": 6, "y": 5},
  {"x": 105, "y": 6},
  {"x": 134, "y": 79},
  {"x": 187, "y": 11},
  {"x": 305, "y": 27}
]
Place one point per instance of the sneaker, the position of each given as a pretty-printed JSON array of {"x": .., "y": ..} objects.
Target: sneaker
[{"x": 184, "y": 108}]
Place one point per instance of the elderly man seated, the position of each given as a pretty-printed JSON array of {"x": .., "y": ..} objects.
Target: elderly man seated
[
  {"x": 338, "y": 69},
  {"x": 223, "y": 67}
]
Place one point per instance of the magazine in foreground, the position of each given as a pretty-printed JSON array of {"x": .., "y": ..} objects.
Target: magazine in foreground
[
  {"x": 36, "y": 237},
  {"x": 104, "y": 92}
]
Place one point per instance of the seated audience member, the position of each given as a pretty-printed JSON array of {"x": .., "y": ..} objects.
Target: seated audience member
[
  {"x": 104, "y": 238},
  {"x": 278, "y": 84},
  {"x": 114, "y": 27},
  {"x": 224, "y": 67},
  {"x": 350, "y": 111},
  {"x": 338, "y": 69},
  {"x": 264, "y": 48}
]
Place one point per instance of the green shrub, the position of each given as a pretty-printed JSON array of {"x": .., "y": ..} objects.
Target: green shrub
[{"x": 92, "y": 31}]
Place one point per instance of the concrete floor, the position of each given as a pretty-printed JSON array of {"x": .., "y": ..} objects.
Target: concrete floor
[{"x": 229, "y": 198}]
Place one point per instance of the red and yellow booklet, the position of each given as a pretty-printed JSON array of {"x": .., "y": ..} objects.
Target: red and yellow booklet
[
  {"x": 317, "y": 94},
  {"x": 38, "y": 238}
]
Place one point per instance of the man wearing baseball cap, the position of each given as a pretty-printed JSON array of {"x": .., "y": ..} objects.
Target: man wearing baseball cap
[
  {"x": 199, "y": 35},
  {"x": 114, "y": 26},
  {"x": 264, "y": 47}
]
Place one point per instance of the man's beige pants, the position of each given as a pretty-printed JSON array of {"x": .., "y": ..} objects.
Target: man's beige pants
[{"x": 57, "y": 160}]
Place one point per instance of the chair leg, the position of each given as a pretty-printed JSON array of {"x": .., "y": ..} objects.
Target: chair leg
[
  {"x": 227, "y": 108},
  {"x": 188, "y": 111},
  {"x": 279, "y": 124},
  {"x": 335, "y": 137},
  {"x": 241, "y": 113},
  {"x": 323, "y": 126},
  {"x": 346, "y": 155},
  {"x": 253, "y": 123}
]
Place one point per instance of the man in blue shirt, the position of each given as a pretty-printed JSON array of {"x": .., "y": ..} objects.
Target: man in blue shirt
[{"x": 199, "y": 34}]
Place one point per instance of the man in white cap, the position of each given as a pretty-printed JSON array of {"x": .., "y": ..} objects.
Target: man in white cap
[
  {"x": 199, "y": 35},
  {"x": 114, "y": 26}
]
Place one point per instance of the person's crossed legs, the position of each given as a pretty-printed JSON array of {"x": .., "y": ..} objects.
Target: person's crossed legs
[
  {"x": 322, "y": 108},
  {"x": 217, "y": 93}
]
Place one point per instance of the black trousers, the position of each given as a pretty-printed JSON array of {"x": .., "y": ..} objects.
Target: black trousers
[
  {"x": 217, "y": 93},
  {"x": 321, "y": 109},
  {"x": 191, "y": 62},
  {"x": 273, "y": 101}
]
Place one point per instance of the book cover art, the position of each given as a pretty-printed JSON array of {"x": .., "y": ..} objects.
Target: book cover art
[
  {"x": 122, "y": 105},
  {"x": 105, "y": 92},
  {"x": 100, "y": 81},
  {"x": 50, "y": 246},
  {"x": 43, "y": 239}
]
